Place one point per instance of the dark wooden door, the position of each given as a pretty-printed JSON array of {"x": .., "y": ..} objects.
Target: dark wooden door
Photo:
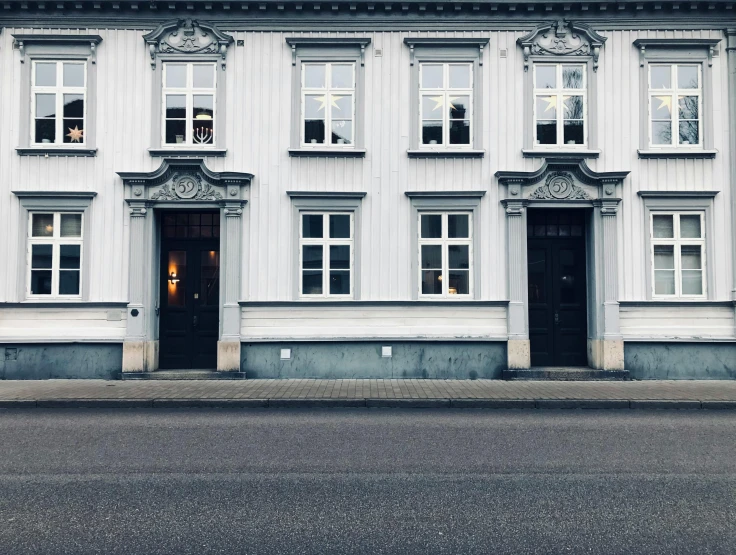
[
  {"x": 190, "y": 301},
  {"x": 557, "y": 294}
]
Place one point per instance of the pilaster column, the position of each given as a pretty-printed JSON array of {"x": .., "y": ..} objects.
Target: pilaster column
[
  {"x": 731, "y": 55},
  {"x": 228, "y": 348},
  {"x": 519, "y": 354}
]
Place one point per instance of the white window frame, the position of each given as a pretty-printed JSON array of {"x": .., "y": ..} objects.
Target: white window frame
[
  {"x": 446, "y": 92},
  {"x": 189, "y": 91},
  {"x": 674, "y": 92},
  {"x": 326, "y": 242},
  {"x": 677, "y": 242},
  {"x": 560, "y": 92},
  {"x": 59, "y": 90},
  {"x": 328, "y": 91},
  {"x": 56, "y": 241},
  {"x": 445, "y": 242}
]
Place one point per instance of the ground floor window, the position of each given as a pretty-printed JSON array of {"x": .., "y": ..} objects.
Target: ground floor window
[
  {"x": 55, "y": 254},
  {"x": 678, "y": 254},
  {"x": 326, "y": 254},
  {"x": 445, "y": 253}
]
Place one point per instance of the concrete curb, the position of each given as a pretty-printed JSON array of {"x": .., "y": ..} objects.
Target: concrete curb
[{"x": 667, "y": 404}]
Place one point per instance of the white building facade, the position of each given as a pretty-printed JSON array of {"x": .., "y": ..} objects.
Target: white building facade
[{"x": 351, "y": 189}]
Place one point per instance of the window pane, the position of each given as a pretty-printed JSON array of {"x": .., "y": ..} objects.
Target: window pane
[
  {"x": 203, "y": 106},
  {"x": 45, "y": 131},
  {"x": 661, "y": 77},
  {"x": 547, "y": 132},
  {"x": 690, "y": 256},
  {"x": 41, "y": 282},
  {"x": 573, "y": 107},
  {"x": 42, "y": 226},
  {"x": 688, "y": 107},
  {"x": 459, "y": 282},
  {"x": 687, "y": 77},
  {"x": 432, "y": 106},
  {"x": 342, "y": 132},
  {"x": 176, "y": 75},
  {"x": 431, "y": 226},
  {"x": 431, "y": 282},
  {"x": 209, "y": 278},
  {"x": 661, "y": 133},
  {"x": 339, "y": 257},
  {"x": 664, "y": 257},
  {"x": 312, "y": 282},
  {"x": 74, "y": 129},
  {"x": 203, "y": 76},
  {"x": 664, "y": 282},
  {"x": 202, "y": 133},
  {"x": 73, "y": 75},
  {"x": 432, "y": 76},
  {"x": 574, "y": 132},
  {"x": 314, "y": 106},
  {"x": 340, "y": 282},
  {"x": 312, "y": 225},
  {"x": 314, "y": 131},
  {"x": 459, "y": 107},
  {"x": 41, "y": 256},
  {"x": 314, "y": 76},
  {"x": 73, "y": 106},
  {"x": 312, "y": 257},
  {"x": 176, "y": 131},
  {"x": 459, "y": 256},
  {"x": 342, "y": 106},
  {"x": 431, "y": 256},
  {"x": 572, "y": 77},
  {"x": 342, "y": 76},
  {"x": 69, "y": 282},
  {"x": 689, "y": 132},
  {"x": 46, "y": 74},
  {"x": 69, "y": 256},
  {"x": 662, "y": 107},
  {"x": 45, "y": 105},
  {"x": 339, "y": 226},
  {"x": 432, "y": 132},
  {"x": 459, "y": 76},
  {"x": 690, "y": 227},
  {"x": 457, "y": 226},
  {"x": 692, "y": 282},
  {"x": 176, "y": 106},
  {"x": 460, "y": 132},
  {"x": 663, "y": 227},
  {"x": 546, "y": 107},
  {"x": 546, "y": 76}
]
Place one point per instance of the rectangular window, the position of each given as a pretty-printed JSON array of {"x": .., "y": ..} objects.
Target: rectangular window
[
  {"x": 678, "y": 254},
  {"x": 560, "y": 105},
  {"x": 446, "y": 104},
  {"x": 445, "y": 254},
  {"x": 55, "y": 254},
  {"x": 58, "y": 103},
  {"x": 189, "y": 104},
  {"x": 328, "y": 104},
  {"x": 675, "y": 105},
  {"x": 326, "y": 245}
]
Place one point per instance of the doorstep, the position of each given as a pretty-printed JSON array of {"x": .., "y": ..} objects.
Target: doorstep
[
  {"x": 183, "y": 375},
  {"x": 566, "y": 374}
]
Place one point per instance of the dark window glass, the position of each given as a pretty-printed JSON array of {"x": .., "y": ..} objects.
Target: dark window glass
[
  {"x": 312, "y": 257},
  {"x": 547, "y": 132},
  {"x": 460, "y": 132},
  {"x": 340, "y": 226},
  {"x": 69, "y": 256},
  {"x": 431, "y": 282},
  {"x": 41, "y": 282},
  {"x": 69, "y": 282},
  {"x": 210, "y": 278},
  {"x": 314, "y": 131},
  {"x": 457, "y": 226},
  {"x": 432, "y": 132},
  {"x": 312, "y": 226},
  {"x": 312, "y": 282},
  {"x": 339, "y": 257},
  {"x": 339, "y": 282},
  {"x": 41, "y": 256},
  {"x": 431, "y": 226}
]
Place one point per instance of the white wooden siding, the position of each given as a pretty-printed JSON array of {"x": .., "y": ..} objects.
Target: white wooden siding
[
  {"x": 376, "y": 322},
  {"x": 59, "y": 324},
  {"x": 677, "y": 322}
]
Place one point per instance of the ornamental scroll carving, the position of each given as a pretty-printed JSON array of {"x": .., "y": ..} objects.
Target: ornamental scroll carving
[
  {"x": 186, "y": 187},
  {"x": 560, "y": 185},
  {"x": 187, "y": 36},
  {"x": 562, "y": 38}
]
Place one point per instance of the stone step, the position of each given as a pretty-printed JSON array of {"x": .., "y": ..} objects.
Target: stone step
[
  {"x": 565, "y": 374},
  {"x": 183, "y": 375}
]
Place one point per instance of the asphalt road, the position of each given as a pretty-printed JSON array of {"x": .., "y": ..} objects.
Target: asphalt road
[{"x": 367, "y": 481}]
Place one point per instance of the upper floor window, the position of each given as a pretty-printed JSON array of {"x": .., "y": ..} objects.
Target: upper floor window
[
  {"x": 189, "y": 104},
  {"x": 59, "y": 102},
  {"x": 678, "y": 254},
  {"x": 446, "y": 98},
  {"x": 675, "y": 104},
  {"x": 55, "y": 254},
  {"x": 445, "y": 253},
  {"x": 560, "y": 105},
  {"x": 328, "y": 104},
  {"x": 326, "y": 254}
]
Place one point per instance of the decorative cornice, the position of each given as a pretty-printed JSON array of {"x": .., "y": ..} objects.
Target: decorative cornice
[
  {"x": 21, "y": 41},
  {"x": 446, "y": 42},
  {"x": 677, "y": 194},
  {"x": 334, "y": 42},
  {"x": 690, "y": 44},
  {"x": 444, "y": 194},
  {"x": 326, "y": 194},
  {"x": 577, "y": 166},
  {"x": 562, "y": 38},
  {"x": 187, "y": 36},
  {"x": 55, "y": 194}
]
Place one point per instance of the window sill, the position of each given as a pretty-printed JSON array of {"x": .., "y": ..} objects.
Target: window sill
[
  {"x": 676, "y": 302},
  {"x": 71, "y": 303},
  {"x": 677, "y": 153},
  {"x": 334, "y": 152},
  {"x": 427, "y": 153},
  {"x": 58, "y": 151},
  {"x": 560, "y": 153},
  {"x": 187, "y": 151}
]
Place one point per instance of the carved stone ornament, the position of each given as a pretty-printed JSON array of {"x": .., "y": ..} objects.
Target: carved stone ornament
[
  {"x": 558, "y": 186},
  {"x": 186, "y": 187},
  {"x": 562, "y": 38},
  {"x": 187, "y": 36}
]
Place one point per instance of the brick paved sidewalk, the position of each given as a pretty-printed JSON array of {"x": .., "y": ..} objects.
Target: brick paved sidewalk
[{"x": 417, "y": 393}]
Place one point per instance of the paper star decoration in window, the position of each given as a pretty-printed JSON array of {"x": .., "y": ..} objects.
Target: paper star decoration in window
[
  {"x": 440, "y": 102},
  {"x": 75, "y": 135},
  {"x": 551, "y": 102},
  {"x": 323, "y": 101},
  {"x": 664, "y": 102}
]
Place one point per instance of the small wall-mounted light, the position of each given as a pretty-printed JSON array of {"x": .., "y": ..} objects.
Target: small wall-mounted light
[
  {"x": 285, "y": 354},
  {"x": 172, "y": 278},
  {"x": 386, "y": 351}
]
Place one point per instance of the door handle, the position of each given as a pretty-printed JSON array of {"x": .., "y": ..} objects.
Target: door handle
[{"x": 195, "y": 322}]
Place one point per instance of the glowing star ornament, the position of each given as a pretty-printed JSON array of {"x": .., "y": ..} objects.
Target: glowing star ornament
[
  {"x": 551, "y": 102},
  {"x": 664, "y": 102},
  {"x": 75, "y": 135},
  {"x": 440, "y": 102},
  {"x": 323, "y": 101}
]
